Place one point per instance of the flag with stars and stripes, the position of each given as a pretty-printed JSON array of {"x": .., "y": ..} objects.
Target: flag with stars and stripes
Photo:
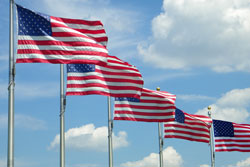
[
  {"x": 188, "y": 127},
  {"x": 152, "y": 106},
  {"x": 229, "y": 136},
  {"x": 117, "y": 79},
  {"x": 48, "y": 39}
]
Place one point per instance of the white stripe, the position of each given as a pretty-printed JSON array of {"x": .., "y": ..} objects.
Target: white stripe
[{"x": 79, "y": 26}]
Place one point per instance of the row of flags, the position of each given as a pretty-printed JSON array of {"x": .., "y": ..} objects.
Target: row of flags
[{"x": 82, "y": 45}]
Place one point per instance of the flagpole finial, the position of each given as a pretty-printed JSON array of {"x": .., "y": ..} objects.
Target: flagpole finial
[
  {"x": 209, "y": 111},
  {"x": 209, "y": 108},
  {"x": 158, "y": 88}
]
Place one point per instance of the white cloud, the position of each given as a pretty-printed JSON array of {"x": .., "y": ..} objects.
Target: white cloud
[
  {"x": 194, "y": 97},
  {"x": 232, "y": 106},
  {"x": 200, "y": 33},
  {"x": 24, "y": 122},
  {"x": 204, "y": 165},
  {"x": 89, "y": 137},
  {"x": 243, "y": 163},
  {"x": 170, "y": 158}
]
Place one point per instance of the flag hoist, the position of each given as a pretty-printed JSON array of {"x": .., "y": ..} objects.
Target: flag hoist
[
  {"x": 160, "y": 140},
  {"x": 10, "y": 156},
  {"x": 211, "y": 139}
]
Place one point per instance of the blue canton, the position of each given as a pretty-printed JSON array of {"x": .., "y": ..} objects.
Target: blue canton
[
  {"x": 80, "y": 68},
  {"x": 179, "y": 116},
  {"x": 131, "y": 99},
  {"x": 223, "y": 129},
  {"x": 33, "y": 23}
]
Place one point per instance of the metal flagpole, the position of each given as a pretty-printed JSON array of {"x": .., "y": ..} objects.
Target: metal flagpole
[
  {"x": 110, "y": 128},
  {"x": 160, "y": 140},
  {"x": 62, "y": 111},
  {"x": 10, "y": 156},
  {"x": 211, "y": 140}
]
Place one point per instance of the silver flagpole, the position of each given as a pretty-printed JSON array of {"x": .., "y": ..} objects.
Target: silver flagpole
[
  {"x": 10, "y": 157},
  {"x": 62, "y": 110},
  {"x": 160, "y": 140},
  {"x": 211, "y": 140},
  {"x": 110, "y": 128}
]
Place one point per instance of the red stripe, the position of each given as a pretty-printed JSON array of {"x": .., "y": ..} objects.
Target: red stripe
[
  {"x": 78, "y": 21},
  {"x": 102, "y": 86},
  {"x": 59, "y": 43},
  {"x": 187, "y": 127},
  {"x": 104, "y": 79},
  {"x": 101, "y": 93},
  {"x": 122, "y": 73},
  {"x": 186, "y": 138},
  {"x": 232, "y": 145},
  {"x": 144, "y": 107},
  {"x": 228, "y": 149},
  {"x": 61, "y": 52},
  {"x": 184, "y": 132},
  {"x": 58, "y": 61},
  {"x": 232, "y": 140},
  {"x": 72, "y": 34},
  {"x": 84, "y": 31},
  {"x": 166, "y": 113},
  {"x": 142, "y": 119}
]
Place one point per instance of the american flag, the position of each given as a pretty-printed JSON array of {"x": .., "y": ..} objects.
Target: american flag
[
  {"x": 153, "y": 106},
  {"x": 48, "y": 39},
  {"x": 117, "y": 78},
  {"x": 188, "y": 127},
  {"x": 229, "y": 136}
]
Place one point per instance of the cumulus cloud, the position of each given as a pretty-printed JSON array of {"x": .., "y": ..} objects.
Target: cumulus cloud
[
  {"x": 24, "y": 122},
  {"x": 243, "y": 163},
  {"x": 204, "y": 165},
  {"x": 232, "y": 106},
  {"x": 170, "y": 158},
  {"x": 89, "y": 137},
  {"x": 200, "y": 33}
]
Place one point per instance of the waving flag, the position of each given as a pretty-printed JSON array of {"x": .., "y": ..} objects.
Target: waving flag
[
  {"x": 153, "y": 106},
  {"x": 48, "y": 39},
  {"x": 188, "y": 127},
  {"x": 117, "y": 78},
  {"x": 229, "y": 136}
]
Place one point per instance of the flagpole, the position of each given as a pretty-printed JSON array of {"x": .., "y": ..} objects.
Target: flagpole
[
  {"x": 211, "y": 140},
  {"x": 160, "y": 140},
  {"x": 10, "y": 156},
  {"x": 62, "y": 111},
  {"x": 110, "y": 127}
]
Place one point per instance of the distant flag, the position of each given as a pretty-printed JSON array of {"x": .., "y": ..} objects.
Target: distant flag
[
  {"x": 117, "y": 79},
  {"x": 188, "y": 127},
  {"x": 48, "y": 39},
  {"x": 229, "y": 136},
  {"x": 153, "y": 106}
]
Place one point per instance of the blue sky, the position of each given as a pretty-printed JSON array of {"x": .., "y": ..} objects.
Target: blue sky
[{"x": 196, "y": 49}]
